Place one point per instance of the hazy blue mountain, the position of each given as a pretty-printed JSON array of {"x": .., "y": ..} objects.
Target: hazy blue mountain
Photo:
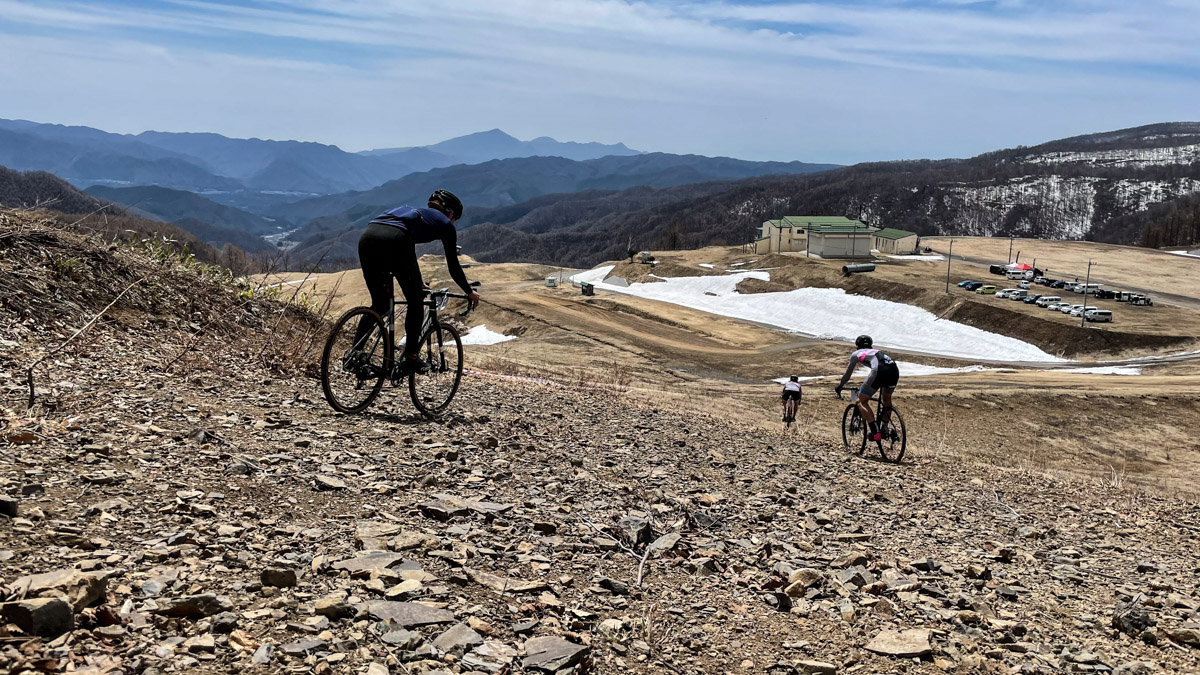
[
  {"x": 495, "y": 144},
  {"x": 174, "y": 206},
  {"x": 90, "y": 161}
]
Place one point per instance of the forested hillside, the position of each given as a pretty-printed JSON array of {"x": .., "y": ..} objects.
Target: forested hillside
[{"x": 1106, "y": 187}]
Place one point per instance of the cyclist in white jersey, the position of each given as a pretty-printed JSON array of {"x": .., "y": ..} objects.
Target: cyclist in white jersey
[
  {"x": 791, "y": 392},
  {"x": 884, "y": 377}
]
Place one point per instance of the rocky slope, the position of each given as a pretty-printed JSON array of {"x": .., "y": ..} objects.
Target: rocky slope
[{"x": 211, "y": 514}]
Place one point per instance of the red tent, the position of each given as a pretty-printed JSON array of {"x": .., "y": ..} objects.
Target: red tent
[{"x": 1022, "y": 266}]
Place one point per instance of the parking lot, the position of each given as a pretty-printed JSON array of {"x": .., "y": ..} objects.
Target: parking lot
[{"x": 1073, "y": 300}]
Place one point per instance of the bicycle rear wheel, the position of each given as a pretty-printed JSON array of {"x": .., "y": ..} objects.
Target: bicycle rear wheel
[
  {"x": 894, "y": 442},
  {"x": 854, "y": 436},
  {"x": 432, "y": 391},
  {"x": 352, "y": 373}
]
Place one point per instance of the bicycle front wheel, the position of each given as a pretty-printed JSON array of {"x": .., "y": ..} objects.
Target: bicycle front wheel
[
  {"x": 432, "y": 391},
  {"x": 355, "y": 361},
  {"x": 894, "y": 442},
  {"x": 854, "y": 436}
]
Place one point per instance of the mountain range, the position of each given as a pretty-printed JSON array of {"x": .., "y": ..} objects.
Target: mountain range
[
  {"x": 240, "y": 170},
  {"x": 1126, "y": 186}
]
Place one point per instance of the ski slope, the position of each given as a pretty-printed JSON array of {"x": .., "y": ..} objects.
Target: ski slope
[{"x": 828, "y": 313}]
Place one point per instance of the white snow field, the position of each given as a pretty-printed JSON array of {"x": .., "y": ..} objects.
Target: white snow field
[
  {"x": 926, "y": 258},
  {"x": 829, "y": 313},
  {"x": 482, "y": 335},
  {"x": 921, "y": 370},
  {"x": 1186, "y": 254},
  {"x": 1105, "y": 370}
]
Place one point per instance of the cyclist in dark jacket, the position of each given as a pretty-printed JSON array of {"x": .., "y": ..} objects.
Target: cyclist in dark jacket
[{"x": 387, "y": 249}]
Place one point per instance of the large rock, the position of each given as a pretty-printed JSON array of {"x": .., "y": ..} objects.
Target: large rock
[
  {"x": 902, "y": 643},
  {"x": 44, "y": 617},
  {"x": 194, "y": 606},
  {"x": 408, "y": 614},
  {"x": 551, "y": 653},
  {"x": 79, "y": 589}
]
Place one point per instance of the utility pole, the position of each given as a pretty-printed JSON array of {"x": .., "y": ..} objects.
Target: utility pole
[
  {"x": 1086, "y": 280},
  {"x": 1010, "y": 244},
  {"x": 948, "y": 257}
]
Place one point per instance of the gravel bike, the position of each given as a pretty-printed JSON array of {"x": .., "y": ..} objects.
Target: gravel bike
[
  {"x": 789, "y": 413},
  {"x": 353, "y": 373},
  {"x": 854, "y": 430}
]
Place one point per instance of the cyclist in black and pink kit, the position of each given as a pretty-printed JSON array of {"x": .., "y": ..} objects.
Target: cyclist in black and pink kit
[{"x": 884, "y": 377}]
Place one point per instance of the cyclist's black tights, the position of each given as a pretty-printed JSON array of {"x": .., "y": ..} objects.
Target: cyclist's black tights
[{"x": 385, "y": 251}]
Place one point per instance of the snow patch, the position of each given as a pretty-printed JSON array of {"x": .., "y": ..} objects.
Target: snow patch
[
  {"x": 828, "y": 313},
  {"x": 926, "y": 258},
  {"x": 1186, "y": 254},
  {"x": 1105, "y": 370},
  {"x": 707, "y": 266},
  {"x": 921, "y": 370},
  {"x": 482, "y": 335}
]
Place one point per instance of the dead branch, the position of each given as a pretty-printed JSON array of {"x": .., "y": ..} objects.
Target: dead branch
[{"x": 52, "y": 352}]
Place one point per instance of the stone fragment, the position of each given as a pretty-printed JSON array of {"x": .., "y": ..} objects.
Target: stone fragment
[
  {"x": 334, "y": 606},
  {"x": 635, "y": 531},
  {"x": 324, "y": 482},
  {"x": 816, "y": 668},
  {"x": 200, "y": 644},
  {"x": 665, "y": 543},
  {"x": 505, "y": 584},
  {"x": 279, "y": 577},
  {"x": 303, "y": 647},
  {"x": 457, "y": 639},
  {"x": 79, "y": 589},
  {"x": 367, "y": 561},
  {"x": 9, "y": 506},
  {"x": 551, "y": 653},
  {"x": 491, "y": 657},
  {"x": 408, "y": 614},
  {"x": 194, "y": 606},
  {"x": 376, "y": 668},
  {"x": 904, "y": 644},
  {"x": 224, "y": 623},
  {"x": 403, "y": 639},
  {"x": 1185, "y": 636},
  {"x": 44, "y": 617}
]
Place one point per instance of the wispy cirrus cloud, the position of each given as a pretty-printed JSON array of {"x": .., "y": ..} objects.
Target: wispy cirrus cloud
[{"x": 839, "y": 80}]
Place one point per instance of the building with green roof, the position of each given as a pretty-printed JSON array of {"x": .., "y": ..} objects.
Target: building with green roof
[
  {"x": 823, "y": 236},
  {"x": 891, "y": 241}
]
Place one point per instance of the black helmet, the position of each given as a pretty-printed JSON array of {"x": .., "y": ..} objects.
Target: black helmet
[
  {"x": 794, "y": 378},
  {"x": 447, "y": 199},
  {"x": 863, "y": 342}
]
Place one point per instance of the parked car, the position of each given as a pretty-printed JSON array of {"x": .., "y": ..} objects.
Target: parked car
[
  {"x": 973, "y": 285},
  {"x": 1058, "y": 283},
  {"x": 1024, "y": 285},
  {"x": 1003, "y": 293},
  {"x": 1105, "y": 294},
  {"x": 1099, "y": 315},
  {"x": 1054, "y": 306},
  {"x": 997, "y": 269},
  {"x": 964, "y": 282},
  {"x": 1080, "y": 310},
  {"x": 1067, "y": 308},
  {"x": 1047, "y": 300},
  {"x": 1031, "y": 299},
  {"x": 1017, "y": 294},
  {"x": 1046, "y": 281},
  {"x": 1138, "y": 299},
  {"x": 1086, "y": 288},
  {"x": 986, "y": 290}
]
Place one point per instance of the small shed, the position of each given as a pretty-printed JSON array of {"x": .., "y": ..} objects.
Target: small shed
[
  {"x": 552, "y": 281},
  {"x": 890, "y": 241}
]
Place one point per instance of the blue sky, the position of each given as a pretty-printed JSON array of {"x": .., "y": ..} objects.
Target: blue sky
[{"x": 837, "y": 80}]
